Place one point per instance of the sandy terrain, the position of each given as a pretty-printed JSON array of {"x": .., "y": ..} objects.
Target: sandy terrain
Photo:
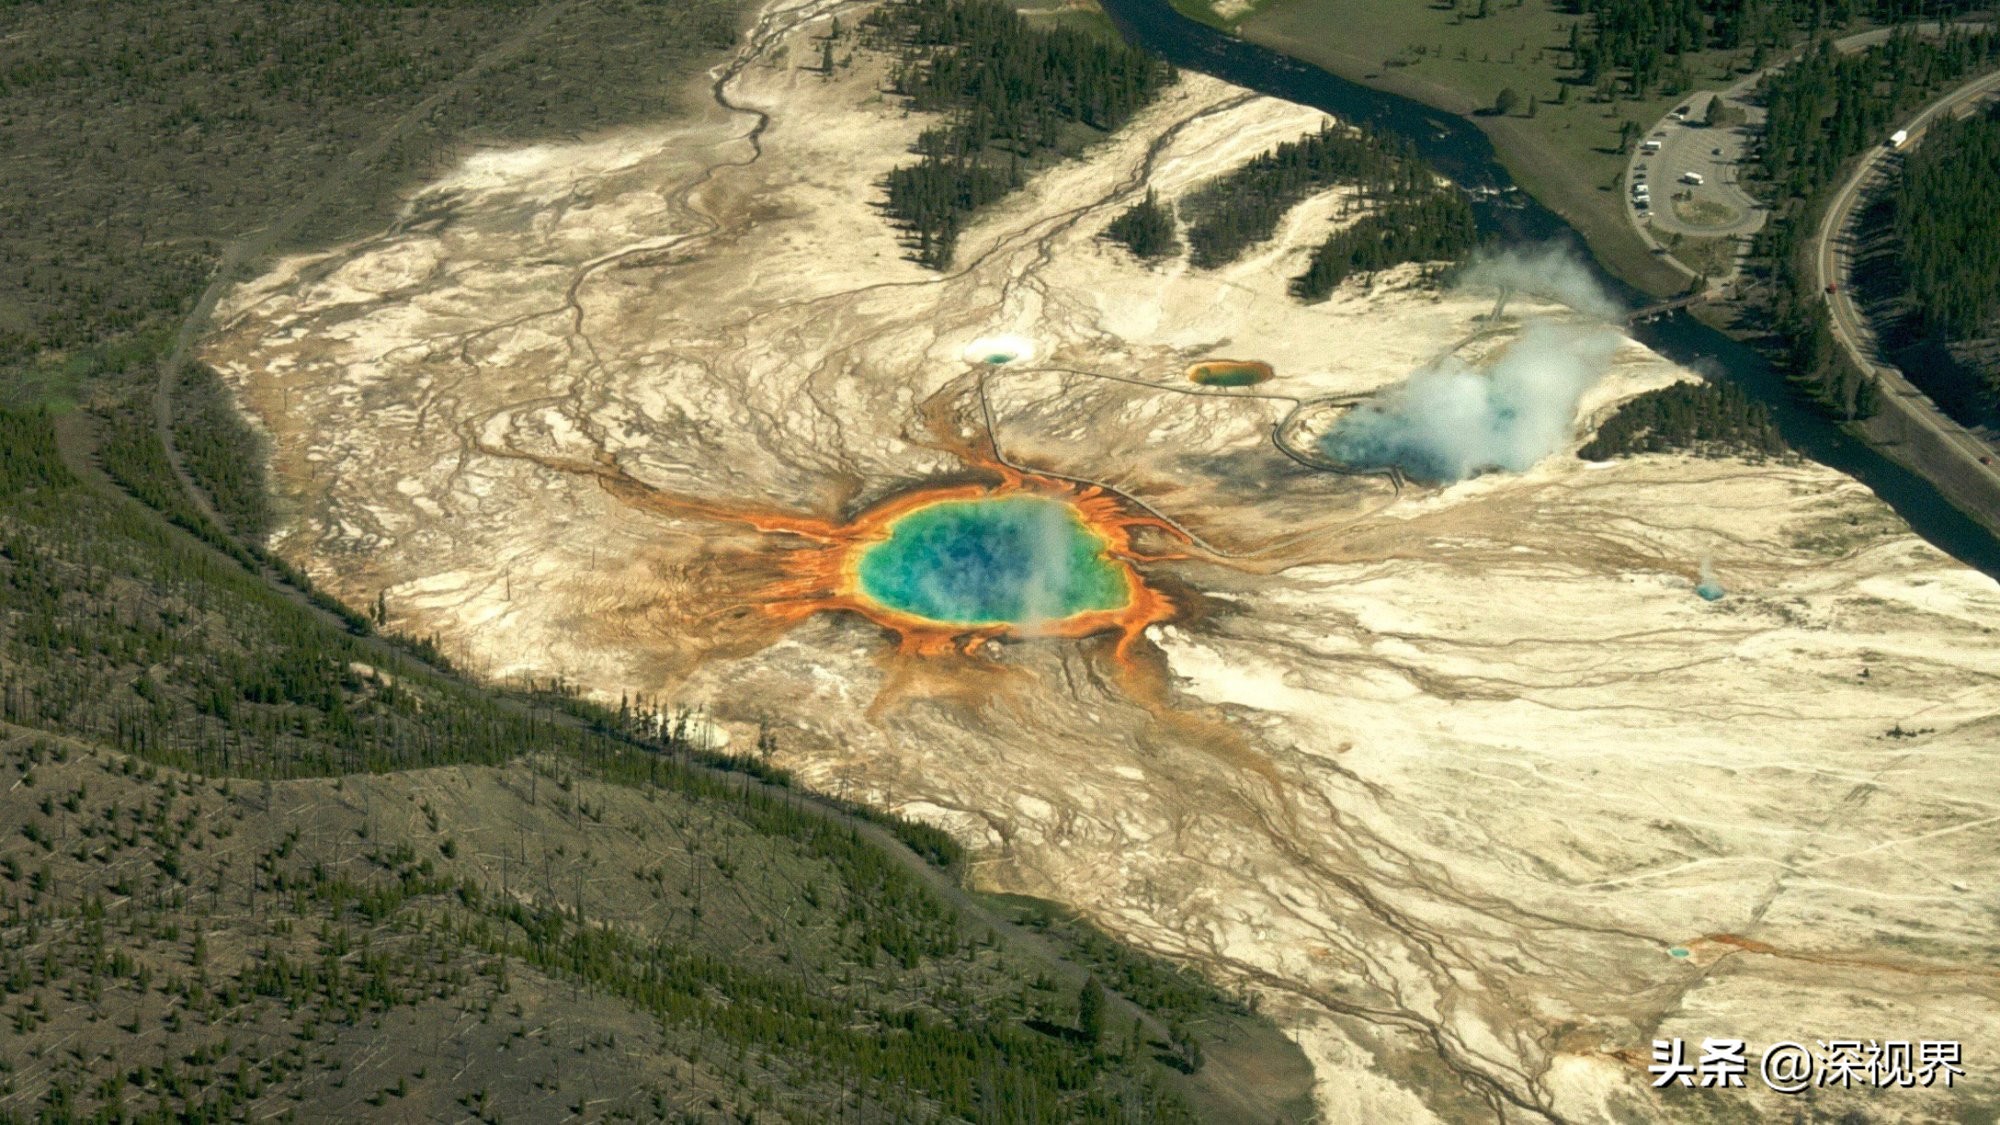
[{"x": 1442, "y": 774}]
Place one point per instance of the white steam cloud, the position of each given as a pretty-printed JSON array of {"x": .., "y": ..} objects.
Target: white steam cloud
[
  {"x": 1451, "y": 420},
  {"x": 1549, "y": 271},
  {"x": 1049, "y": 537}
]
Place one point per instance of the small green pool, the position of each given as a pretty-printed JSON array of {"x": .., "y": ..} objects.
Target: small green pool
[{"x": 1009, "y": 560}]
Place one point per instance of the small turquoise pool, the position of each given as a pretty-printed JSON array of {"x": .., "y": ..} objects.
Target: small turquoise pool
[{"x": 1009, "y": 560}]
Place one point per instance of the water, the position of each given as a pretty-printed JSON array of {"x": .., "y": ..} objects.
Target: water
[
  {"x": 1014, "y": 560},
  {"x": 997, "y": 350},
  {"x": 1230, "y": 372},
  {"x": 1462, "y": 152}
]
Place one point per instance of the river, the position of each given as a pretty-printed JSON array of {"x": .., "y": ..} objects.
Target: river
[{"x": 1463, "y": 153}]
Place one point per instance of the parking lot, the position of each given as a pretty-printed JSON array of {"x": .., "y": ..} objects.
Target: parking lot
[{"x": 1717, "y": 206}]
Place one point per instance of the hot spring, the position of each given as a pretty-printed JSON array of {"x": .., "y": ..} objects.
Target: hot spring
[
  {"x": 1003, "y": 560},
  {"x": 996, "y": 350},
  {"x": 1230, "y": 372}
]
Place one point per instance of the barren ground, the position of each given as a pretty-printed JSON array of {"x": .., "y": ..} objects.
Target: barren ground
[{"x": 1442, "y": 774}]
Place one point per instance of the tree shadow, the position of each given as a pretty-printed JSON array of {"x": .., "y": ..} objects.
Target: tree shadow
[{"x": 1058, "y": 1031}]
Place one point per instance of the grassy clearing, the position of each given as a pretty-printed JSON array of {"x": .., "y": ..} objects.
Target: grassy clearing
[
  {"x": 1559, "y": 141},
  {"x": 1077, "y": 15},
  {"x": 1713, "y": 256},
  {"x": 1705, "y": 212}
]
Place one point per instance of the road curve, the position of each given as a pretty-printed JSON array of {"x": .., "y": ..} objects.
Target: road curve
[{"x": 1832, "y": 262}]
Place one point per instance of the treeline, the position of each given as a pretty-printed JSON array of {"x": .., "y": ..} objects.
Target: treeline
[
  {"x": 1649, "y": 40},
  {"x": 1013, "y": 94},
  {"x": 1823, "y": 110},
  {"x": 1713, "y": 418},
  {"x": 1236, "y": 210},
  {"x": 222, "y": 452},
  {"x": 1436, "y": 225},
  {"x": 1948, "y": 223}
]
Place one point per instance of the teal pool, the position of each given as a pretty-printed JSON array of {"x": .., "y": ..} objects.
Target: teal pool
[{"x": 1007, "y": 560}]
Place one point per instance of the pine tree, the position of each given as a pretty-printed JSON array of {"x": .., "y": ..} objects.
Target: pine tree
[
  {"x": 1147, "y": 228},
  {"x": 1090, "y": 1011}
]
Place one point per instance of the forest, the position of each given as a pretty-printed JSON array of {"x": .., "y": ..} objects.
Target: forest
[
  {"x": 1823, "y": 110},
  {"x": 1241, "y": 208},
  {"x": 178, "y": 673},
  {"x": 1647, "y": 39},
  {"x": 1433, "y": 225},
  {"x": 1705, "y": 418},
  {"x": 1012, "y": 95},
  {"x": 1147, "y": 228},
  {"x": 1947, "y": 208},
  {"x": 1828, "y": 106}
]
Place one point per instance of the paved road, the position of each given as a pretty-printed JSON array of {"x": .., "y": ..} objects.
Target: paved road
[{"x": 1833, "y": 262}]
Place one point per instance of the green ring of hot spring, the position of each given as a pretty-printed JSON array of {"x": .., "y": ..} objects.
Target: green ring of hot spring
[{"x": 1011, "y": 560}]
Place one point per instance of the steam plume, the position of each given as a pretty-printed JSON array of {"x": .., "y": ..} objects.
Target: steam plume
[
  {"x": 1451, "y": 420},
  {"x": 1550, "y": 271},
  {"x": 1708, "y": 587}
]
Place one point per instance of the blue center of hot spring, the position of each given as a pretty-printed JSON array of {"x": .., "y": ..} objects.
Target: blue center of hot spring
[{"x": 1010, "y": 560}]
